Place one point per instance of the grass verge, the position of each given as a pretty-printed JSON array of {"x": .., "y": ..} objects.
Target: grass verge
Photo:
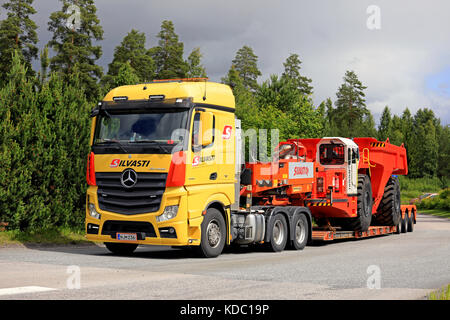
[
  {"x": 442, "y": 294},
  {"x": 435, "y": 212},
  {"x": 54, "y": 236}
]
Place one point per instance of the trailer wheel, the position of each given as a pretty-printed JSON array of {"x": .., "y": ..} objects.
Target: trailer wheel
[
  {"x": 279, "y": 233},
  {"x": 122, "y": 249},
  {"x": 300, "y": 230},
  {"x": 399, "y": 228},
  {"x": 389, "y": 212},
  {"x": 404, "y": 223},
  {"x": 410, "y": 222},
  {"x": 364, "y": 203},
  {"x": 213, "y": 234}
]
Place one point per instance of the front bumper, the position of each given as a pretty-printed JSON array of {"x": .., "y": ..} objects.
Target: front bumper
[{"x": 179, "y": 231}]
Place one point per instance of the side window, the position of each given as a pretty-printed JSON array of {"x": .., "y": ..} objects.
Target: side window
[
  {"x": 355, "y": 155},
  {"x": 196, "y": 132}
]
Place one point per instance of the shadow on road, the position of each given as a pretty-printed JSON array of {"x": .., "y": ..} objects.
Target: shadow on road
[{"x": 177, "y": 253}]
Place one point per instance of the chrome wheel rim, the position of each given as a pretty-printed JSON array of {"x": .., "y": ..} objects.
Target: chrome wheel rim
[
  {"x": 213, "y": 233},
  {"x": 278, "y": 232},
  {"x": 300, "y": 231}
]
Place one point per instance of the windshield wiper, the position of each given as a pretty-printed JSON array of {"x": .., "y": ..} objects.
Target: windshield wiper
[
  {"x": 151, "y": 141},
  {"x": 116, "y": 142}
]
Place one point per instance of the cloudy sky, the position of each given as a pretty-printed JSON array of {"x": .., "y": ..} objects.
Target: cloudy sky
[{"x": 404, "y": 63}]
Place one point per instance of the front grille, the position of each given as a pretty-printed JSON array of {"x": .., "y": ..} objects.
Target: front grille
[
  {"x": 143, "y": 229},
  {"x": 144, "y": 197}
]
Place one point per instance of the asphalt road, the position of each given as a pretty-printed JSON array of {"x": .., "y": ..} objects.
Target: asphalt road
[{"x": 406, "y": 266}]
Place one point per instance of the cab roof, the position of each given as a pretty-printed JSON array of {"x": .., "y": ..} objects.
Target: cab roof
[{"x": 216, "y": 93}]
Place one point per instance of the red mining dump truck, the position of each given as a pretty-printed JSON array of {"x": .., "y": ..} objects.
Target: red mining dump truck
[{"x": 350, "y": 188}]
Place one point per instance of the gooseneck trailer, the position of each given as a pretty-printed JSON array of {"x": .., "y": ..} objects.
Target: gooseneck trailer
[{"x": 166, "y": 168}]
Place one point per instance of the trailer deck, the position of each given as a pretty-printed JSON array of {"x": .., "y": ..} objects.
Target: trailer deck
[{"x": 330, "y": 235}]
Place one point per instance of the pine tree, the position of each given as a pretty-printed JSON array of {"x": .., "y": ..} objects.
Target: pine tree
[
  {"x": 443, "y": 171},
  {"x": 17, "y": 32},
  {"x": 279, "y": 92},
  {"x": 132, "y": 50},
  {"x": 350, "y": 106},
  {"x": 42, "y": 165},
  {"x": 45, "y": 62},
  {"x": 330, "y": 126},
  {"x": 168, "y": 55},
  {"x": 196, "y": 69},
  {"x": 384, "y": 129},
  {"x": 246, "y": 64},
  {"x": 292, "y": 72},
  {"x": 73, "y": 43},
  {"x": 126, "y": 76}
]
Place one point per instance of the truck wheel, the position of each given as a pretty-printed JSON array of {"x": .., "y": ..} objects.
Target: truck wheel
[
  {"x": 411, "y": 223},
  {"x": 213, "y": 234},
  {"x": 404, "y": 223},
  {"x": 279, "y": 234},
  {"x": 389, "y": 212},
  {"x": 122, "y": 249},
  {"x": 399, "y": 228},
  {"x": 301, "y": 233},
  {"x": 364, "y": 205}
]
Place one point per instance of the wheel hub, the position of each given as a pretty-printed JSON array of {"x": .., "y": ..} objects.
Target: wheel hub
[{"x": 214, "y": 234}]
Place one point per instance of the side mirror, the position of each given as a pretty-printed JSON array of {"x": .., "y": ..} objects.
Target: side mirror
[
  {"x": 95, "y": 112},
  {"x": 207, "y": 124}
]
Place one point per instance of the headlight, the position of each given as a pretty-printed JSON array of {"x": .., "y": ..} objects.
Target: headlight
[
  {"x": 93, "y": 212},
  {"x": 170, "y": 212}
]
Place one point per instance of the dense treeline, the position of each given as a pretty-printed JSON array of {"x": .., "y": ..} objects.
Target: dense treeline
[{"x": 44, "y": 114}]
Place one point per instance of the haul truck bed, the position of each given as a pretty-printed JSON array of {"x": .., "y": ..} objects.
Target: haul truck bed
[{"x": 408, "y": 217}]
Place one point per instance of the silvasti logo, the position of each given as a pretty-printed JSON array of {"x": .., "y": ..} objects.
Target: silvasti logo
[{"x": 129, "y": 163}]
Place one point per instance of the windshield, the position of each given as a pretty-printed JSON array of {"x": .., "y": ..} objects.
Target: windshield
[
  {"x": 135, "y": 127},
  {"x": 332, "y": 154}
]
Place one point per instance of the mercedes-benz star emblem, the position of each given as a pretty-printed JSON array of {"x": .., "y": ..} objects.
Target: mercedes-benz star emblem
[{"x": 129, "y": 178}]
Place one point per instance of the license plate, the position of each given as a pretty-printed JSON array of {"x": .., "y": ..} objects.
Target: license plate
[{"x": 126, "y": 236}]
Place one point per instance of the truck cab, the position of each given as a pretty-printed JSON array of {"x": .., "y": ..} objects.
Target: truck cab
[
  {"x": 340, "y": 153},
  {"x": 153, "y": 167}
]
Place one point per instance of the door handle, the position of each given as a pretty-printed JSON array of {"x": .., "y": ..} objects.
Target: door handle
[{"x": 213, "y": 176}]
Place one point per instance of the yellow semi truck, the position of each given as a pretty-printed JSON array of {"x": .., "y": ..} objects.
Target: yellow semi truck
[
  {"x": 162, "y": 167},
  {"x": 166, "y": 167}
]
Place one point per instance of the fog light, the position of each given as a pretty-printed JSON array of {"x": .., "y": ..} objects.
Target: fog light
[
  {"x": 167, "y": 232},
  {"x": 93, "y": 212},
  {"x": 170, "y": 212}
]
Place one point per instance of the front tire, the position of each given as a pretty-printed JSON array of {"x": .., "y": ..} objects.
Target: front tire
[{"x": 213, "y": 234}]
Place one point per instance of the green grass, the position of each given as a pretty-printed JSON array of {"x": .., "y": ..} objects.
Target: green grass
[
  {"x": 442, "y": 294},
  {"x": 58, "y": 236},
  {"x": 412, "y": 188},
  {"x": 435, "y": 212}
]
